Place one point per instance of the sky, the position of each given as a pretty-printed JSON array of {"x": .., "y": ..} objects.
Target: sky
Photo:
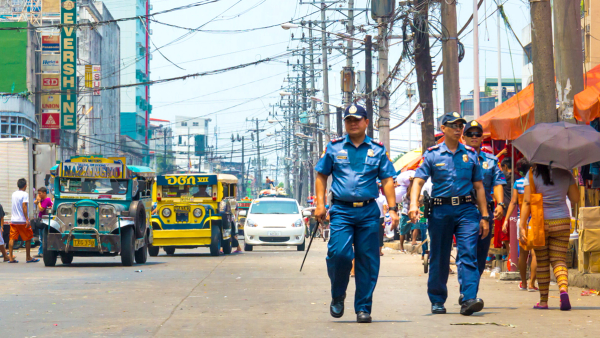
[{"x": 230, "y": 99}]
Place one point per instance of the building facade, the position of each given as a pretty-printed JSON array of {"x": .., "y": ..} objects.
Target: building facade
[
  {"x": 189, "y": 132},
  {"x": 160, "y": 142}
]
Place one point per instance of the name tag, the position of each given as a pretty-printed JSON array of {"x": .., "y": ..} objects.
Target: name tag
[
  {"x": 342, "y": 157},
  {"x": 440, "y": 164}
]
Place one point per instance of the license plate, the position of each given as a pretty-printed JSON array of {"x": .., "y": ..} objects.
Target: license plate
[
  {"x": 274, "y": 233},
  {"x": 84, "y": 243},
  {"x": 182, "y": 209}
]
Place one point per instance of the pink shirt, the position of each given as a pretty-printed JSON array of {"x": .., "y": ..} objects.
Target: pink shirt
[{"x": 46, "y": 204}]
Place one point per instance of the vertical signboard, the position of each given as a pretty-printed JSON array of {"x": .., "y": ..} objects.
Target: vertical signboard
[
  {"x": 68, "y": 58},
  {"x": 96, "y": 79}
]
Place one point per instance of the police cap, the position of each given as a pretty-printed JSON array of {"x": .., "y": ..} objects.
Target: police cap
[
  {"x": 453, "y": 117},
  {"x": 356, "y": 111},
  {"x": 473, "y": 124}
]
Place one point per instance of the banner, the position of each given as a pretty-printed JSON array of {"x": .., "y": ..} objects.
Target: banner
[
  {"x": 50, "y": 120},
  {"x": 51, "y": 102},
  {"x": 50, "y": 82},
  {"x": 68, "y": 57},
  {"x": 96, "y": 79},
  {"x": 88, "y": 76},
  {"x": 51, "y": 63},
  {"x": 50, "y": 43}
]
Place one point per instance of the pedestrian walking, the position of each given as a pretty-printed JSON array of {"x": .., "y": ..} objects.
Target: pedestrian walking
[
  {"x": 554, "y": 184},
  {"x": 455, "y": 171},
  {"x": 383, "y": 209},
  {"x": 20, "y": 225},
  {"x": 44, "y": 205},
  {"x": 355, "y": 162},
  {"x": 493, "y": 182},
  {"x": 406, "y": 226},
  {"x": 524, "y": 254},
  {"x": 2, "y": 242}
]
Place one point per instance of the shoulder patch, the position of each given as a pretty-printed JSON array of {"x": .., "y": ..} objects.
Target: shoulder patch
[
  {"x": 337, "y": 140},
  {"x": 379, "y": 143},
  {"x": 469, "y": 148},
  {"x": 434, "y": 147}
]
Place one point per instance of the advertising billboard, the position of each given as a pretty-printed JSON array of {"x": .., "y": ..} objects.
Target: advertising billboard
[
  {"x": 50, "y": 120},
  {"x": 50, "y": 43},
  {"x": 50, "y": 102},
  {"x": 50, "y": 63},
  {"x": 50, "y": 82},
  {"x": 68, "y": 57}
]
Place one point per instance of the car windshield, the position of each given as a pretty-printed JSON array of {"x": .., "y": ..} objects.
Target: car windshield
[
  {"x": 274, "y": 207},
  {"x": 93, "y": 186},
  {"x": 176, "y": 191}
]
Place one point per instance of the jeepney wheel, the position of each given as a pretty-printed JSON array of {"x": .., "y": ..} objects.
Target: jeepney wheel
[
  {"x": 226, "y": 244},
  {"x": 215, "y": 241},
  {"x": 141, "y": 255},
  {"x": 169, "y": 251},
  {"x": 49, "y": 255},
  {"x": 247, "y": 247},
  {"x": 153, "y": 250},
  {"x": 127, "y": 246},
  {"x": 66, "y": 258}
]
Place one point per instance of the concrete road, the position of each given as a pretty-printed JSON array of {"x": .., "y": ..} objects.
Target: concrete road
[{"x": 258, "y": 294}]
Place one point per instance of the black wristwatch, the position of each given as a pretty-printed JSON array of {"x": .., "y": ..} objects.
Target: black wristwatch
[
  {"x": 502, "y": 204},
  {"x": 393, "y": 209}
]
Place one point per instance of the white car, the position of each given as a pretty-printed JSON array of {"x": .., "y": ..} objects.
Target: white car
[{"x": 274, "y": 221}]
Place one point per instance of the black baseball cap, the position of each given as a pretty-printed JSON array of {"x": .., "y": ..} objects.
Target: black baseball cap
[
  {"x": 473, "y": 124},
  {"x": 355, "y": 110},
  {"x": 453, "y": 117}
]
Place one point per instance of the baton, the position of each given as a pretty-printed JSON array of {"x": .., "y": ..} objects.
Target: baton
[{"x": 312, "y": 236}]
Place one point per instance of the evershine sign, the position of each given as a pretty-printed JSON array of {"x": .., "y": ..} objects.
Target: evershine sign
[{"x": 68, "y": 58}]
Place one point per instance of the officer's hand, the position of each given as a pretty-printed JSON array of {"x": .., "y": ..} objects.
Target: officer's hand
[
  {"x": 484, "y": 227},
  {"x": 395, "y": 219},
  {"x": 498, "y": 212},
  {"x": 413, "y": 214},
  {"x": 320, "y": 213}
]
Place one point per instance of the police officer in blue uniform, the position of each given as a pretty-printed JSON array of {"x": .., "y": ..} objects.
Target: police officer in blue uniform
[
  {"x": 454, "y": 170},
  {"x": 355, "y": 162},
  {"x": 493, "y": 180}
]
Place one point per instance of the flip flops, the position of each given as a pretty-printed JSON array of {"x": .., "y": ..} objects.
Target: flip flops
[
  {"x": 15, "y": 261},
  {"x": 33, "y": 260},
  {"x": 538, "y": 307},
  {"x": 565, "y": 304}
]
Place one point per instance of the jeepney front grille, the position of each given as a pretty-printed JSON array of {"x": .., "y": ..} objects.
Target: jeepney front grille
[
  {"x": 86, "y": 217},
  {"x": 108, "y": 217}
]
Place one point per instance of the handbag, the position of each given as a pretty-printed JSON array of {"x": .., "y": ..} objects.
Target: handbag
[{"x": 536, "y": 236}]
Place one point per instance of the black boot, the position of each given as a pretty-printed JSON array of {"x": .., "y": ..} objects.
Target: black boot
[
  {"x": 337, "y": 306},
  {"x": 363, "y": 317},
  {"x": 471, "y": 306},
  {"x": 438, "y": 308}
]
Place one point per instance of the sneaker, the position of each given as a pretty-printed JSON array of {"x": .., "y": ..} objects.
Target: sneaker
[{"x": 521, "y": 287}]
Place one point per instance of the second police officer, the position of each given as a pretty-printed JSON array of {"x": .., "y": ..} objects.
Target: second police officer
[
  {"x": 493, "y": 180},
  {"x": 355, "y": 162},
  {"x": 455, "y": 171}
]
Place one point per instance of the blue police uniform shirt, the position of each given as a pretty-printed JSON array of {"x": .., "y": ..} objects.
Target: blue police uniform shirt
[
  {"x": 355, "y": 170},
  {"x": 451, "y": 174},
  {"x": 492, "y": 175}
]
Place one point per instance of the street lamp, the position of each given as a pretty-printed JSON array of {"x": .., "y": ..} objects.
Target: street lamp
[
  {"x": 316, "y": 99},
  {"x": 284, "y": 93}
]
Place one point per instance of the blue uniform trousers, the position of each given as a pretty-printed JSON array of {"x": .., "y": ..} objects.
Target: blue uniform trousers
[
  {"x": 461, "y": 221},
  {"x": 358, "y": 226},
  {"x": 483, "y": 248}
]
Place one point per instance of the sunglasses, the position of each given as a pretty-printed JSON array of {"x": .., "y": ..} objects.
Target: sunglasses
[
  {"x": 455, "y": 125},
  {"x": 473, "y": 134}
]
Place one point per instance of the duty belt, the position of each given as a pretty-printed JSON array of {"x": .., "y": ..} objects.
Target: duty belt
[
  {"x": 353, "y": 204},
  {"x": 452, "y": 200}
]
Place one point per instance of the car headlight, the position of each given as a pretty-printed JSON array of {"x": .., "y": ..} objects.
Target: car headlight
[
  {"x": 166, "y": 212},
  {"x": 197, "y": 212},
  {"x": 250, "y": 223},
  {"x": 297, "y": 224}
]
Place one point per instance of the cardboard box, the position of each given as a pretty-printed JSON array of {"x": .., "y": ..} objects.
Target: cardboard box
[
  {"x": 594, "y": 262},
  {"x": 589, "y": 218}
]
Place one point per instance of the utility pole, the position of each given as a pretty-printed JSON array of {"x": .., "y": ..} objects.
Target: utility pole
[
  {"x": 500, "y": 60},
  {"x": 544, "y": 97},
  {"x": 568, "y": 54},
  {"x": 348, "y": 70},
  {"x": 243, "y": 177},
  {"x": 325, "y": 74},
  {"x": 450, "y": 58},
  {"x": 304, "y": 190},
  {"x": 369, "y": 82},
  {"x": 339, "y": 123},
  {"x": 384, "y": 91},
  {"x": 424, "y": 69},
  {"x": 476, "y": 108},
  {"x": 165, "y": 147}
]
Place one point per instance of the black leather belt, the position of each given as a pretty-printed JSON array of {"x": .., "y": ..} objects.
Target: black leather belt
[
  {"x": 452, "y": 200},
  {"x": 353, "y": 204}
]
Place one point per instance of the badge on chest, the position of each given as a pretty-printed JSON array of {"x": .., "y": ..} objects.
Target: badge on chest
[
  {"x": 485, "y": 165},
  {"x": 370, "y": 153},
  {"x": 465, "y": 158}
]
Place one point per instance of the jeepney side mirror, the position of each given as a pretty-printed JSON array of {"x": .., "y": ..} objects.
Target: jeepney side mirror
[{"x": 306, "y": 213}]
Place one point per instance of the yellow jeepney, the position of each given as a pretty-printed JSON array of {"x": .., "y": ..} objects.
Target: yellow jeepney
[{"x": 193, "y": 210}]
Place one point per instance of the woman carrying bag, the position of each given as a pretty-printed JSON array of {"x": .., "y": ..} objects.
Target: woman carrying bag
[{"x": 548, "y": 231}]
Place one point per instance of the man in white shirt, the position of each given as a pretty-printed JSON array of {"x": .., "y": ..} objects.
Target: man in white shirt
[{"x": 20, "y": 222}]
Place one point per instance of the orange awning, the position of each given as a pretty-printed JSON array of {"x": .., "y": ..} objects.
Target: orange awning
[
  {"x": 510, "y": 119},
  {"x": 586, "y": 106}
]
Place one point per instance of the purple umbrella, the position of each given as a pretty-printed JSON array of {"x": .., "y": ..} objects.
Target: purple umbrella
[{"x": 564, "y": 145}]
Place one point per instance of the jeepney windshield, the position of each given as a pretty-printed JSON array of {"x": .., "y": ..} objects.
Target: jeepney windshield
[
  {"x": 79, "y": 185},
  {"x": 176, "y": 191}
]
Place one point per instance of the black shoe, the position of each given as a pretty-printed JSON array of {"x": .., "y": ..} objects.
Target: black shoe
[
  {"x": 471, "y": 306},
  {"x": 461, "y": 299},
  {"x": 438, "y": 308},
  {"x": 337, "y": 306},
  {"x": 363, "y": 317}
]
